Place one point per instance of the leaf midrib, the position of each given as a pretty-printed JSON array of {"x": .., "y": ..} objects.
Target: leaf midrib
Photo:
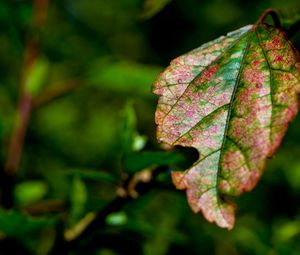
[
  {"x": 229, "y": 115},
  {"x": 206, "y": 67}
]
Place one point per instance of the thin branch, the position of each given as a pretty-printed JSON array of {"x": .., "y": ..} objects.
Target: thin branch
[
  {"x": 63, "y": 246},
  {"x": 54, "y": 91},
  {"x": 25, "y": 97},
  {"x": 16, "y": 143},
  {"x": 15, "y": 146},
  {"x": 43, "y": 207}
]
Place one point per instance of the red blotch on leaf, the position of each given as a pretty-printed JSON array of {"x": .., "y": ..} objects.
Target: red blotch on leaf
[{"x": 236, "y": 120}]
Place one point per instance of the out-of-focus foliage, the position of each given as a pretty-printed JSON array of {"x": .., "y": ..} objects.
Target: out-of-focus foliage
[{"x": 92, "y": 127}]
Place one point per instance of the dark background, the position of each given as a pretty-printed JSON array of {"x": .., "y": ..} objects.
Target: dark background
[{"x": 84, "y": 68}]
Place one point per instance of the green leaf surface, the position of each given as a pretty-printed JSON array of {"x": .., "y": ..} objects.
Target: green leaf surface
[
  {"x": 30, "y": 231},
  {"x": 129, "y": 137},
  {"x": 78, "y": 199},
  {"x": 137, "y": 161},
  {"x": 30, "y": 191},
  {"x": 116, "y": 219},
  {"x": 36, "y": 76},
  {"x": 14, "y": 223},
  {"x": 232, "y": 100},
  {"x": 122, "y": 76},
  {"x": 95, "y": 175}
]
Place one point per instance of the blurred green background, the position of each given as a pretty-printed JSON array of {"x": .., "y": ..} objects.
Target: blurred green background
[{"x": 86, "y": 67}]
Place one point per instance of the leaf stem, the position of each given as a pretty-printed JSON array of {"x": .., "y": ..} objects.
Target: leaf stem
[
  {"x": 17, "y": 138},
  {"x": 273, "y": 13}
]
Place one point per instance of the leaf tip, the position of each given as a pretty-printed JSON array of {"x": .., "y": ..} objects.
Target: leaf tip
[{"x": 178, "y": 179}]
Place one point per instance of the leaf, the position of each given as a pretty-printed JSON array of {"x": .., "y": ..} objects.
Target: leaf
[
  {"x": 232, "y": 100},
  {"x": 137, "y": 161},
  {"x": 122, "y": 76},
  {"x": 152, "y": 7},
  {"x": 117, "y": 218},
  {"x": 36, "y": 76},
  {"x": 30, "y": 231},
  {"x": 14, "y": 223},
  {"x": 129, "y": 136},
  {"x": 95, "y": 175},
  {"x": 78, "y": 199},
  {"x": 30, "y": 191}
]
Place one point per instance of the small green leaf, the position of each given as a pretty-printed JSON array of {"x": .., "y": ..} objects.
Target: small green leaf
[
  {"x": 130, "y": 139},
  {"x": 28, "y": 230},
  {"x": 95, "y": 175},
  {"x": 139, "y": 142},
  {"x": 14, "y": 223},
  {"x": 137, "y": 161},
  {"x": 36, "y": 76},
  {"x": 286, "y": 231},
  {"x": 128, "y": 128},
  {"x": 30, "y": 191},
  {"x": 116, "y": 219},
  {"x": 78, "y": 199}
]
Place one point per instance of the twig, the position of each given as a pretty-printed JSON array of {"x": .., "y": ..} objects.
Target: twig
[
  {"x": 25, "y": 97},
  {"x": 24, "y": 105},
  {"x": 53, "y": 91},
  {"x": 63, "y": 246},
  {"x": 17, "y": 139},
  {"x": 44, "y": 207}
]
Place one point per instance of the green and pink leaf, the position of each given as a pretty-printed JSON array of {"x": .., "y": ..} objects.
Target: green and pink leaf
[{"x": 232, "y": 100}]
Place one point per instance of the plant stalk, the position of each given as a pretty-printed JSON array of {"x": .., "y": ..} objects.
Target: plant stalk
[{"x": 15, "y": 146}]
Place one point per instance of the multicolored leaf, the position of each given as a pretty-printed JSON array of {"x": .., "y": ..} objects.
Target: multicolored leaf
[{"x": 232, "y": 99}]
